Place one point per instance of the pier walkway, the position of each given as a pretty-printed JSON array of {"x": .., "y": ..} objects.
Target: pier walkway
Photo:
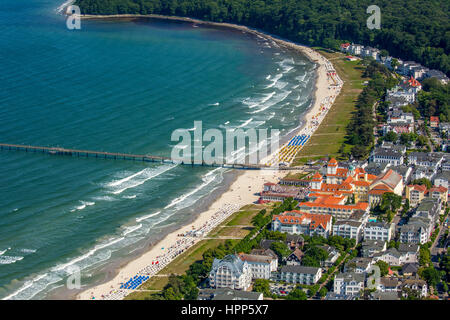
[{"x": 127, "y": 156}]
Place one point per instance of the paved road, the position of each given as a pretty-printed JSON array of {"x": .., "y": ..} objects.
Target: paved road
[{"x": 434, "y": 250}]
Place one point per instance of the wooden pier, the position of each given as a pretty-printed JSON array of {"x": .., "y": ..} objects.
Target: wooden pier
[{"x": 127, "y": 156}]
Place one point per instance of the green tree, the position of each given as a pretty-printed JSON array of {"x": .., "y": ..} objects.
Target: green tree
[
  {"x": 323, "y": 292},
  {"x": 280, "y": 249},
  {"x": 384, "y": 267},
  {"x": 431, "y": 276},
  {"x": 297, "y": 294},
  {"x": 391, "y": 136},
  {"x": 424, "y": 256},
  {"x": 262, "y": 285},
  {"x": 423, "y": 181}
]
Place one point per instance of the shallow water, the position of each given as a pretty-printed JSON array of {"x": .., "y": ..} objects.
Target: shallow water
[{"x": 118, "y": 87}]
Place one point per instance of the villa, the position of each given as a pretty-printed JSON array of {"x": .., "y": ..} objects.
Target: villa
[
  {"x": 261, "y": 266},
  {"x": 349, "y": 283},
  {"x": 379, "y": 231},
  {"x": 300, "y": 274},
  {"x": 298, "y": 222},
  {"x": 230, "y": 272}
]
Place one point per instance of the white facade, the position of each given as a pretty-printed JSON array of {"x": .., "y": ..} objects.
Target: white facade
[
  {"x": 297, "y": 222},
  {"x": 348, "y": 283},
  {"x": 261, "y": 266},
  {"x": 348, "y": 229},
  {"x": 300, "y": 274},
  {"x": 230, "y": 272},
  {"x": 378, "y": 231}
]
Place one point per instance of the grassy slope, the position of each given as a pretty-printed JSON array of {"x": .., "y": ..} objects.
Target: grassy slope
[{"x": 330, "y": 135}]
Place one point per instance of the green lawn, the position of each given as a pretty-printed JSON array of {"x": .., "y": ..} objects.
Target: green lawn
[
  {"x": 330, "y": 135},
  {"x": 299, "y": 175},
  {"x": 238, "y": 225}
]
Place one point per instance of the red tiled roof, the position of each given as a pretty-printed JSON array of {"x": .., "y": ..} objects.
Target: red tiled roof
[
  {"x": 333, "y": 162},
  {"x": 317, "y": 177},
  {"x": 434, "y": 119},
  {"x": 341, "y": 172},
  {"x": 418, "y": 187},
  {"x": 390, "y": 179},
  {"x": 361, "y": 183},
  {"x": 321, "y": 204},
  {"x": 439, "y": 189},
  {"x": 413, "y": 82},
  {"x": 298, "y": 217}
]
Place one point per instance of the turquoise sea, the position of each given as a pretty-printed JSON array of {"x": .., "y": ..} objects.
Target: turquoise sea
[{"x": 119, "y": 87}]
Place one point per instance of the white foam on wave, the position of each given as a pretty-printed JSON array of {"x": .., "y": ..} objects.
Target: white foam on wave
[
  {"x": 26, "y": 286},
  {"x": 119, "y": 182},
  {"x": 279, "y": 98},
  {"x": 162, "y": 220},
  {"x": 207, "y": 179},
  {"x": 9, "y": 259},
  {"x": 237, "y": 155},
  {"x": 147, "y": 216},
  {"x": 245, "y": 123},
  {"x": 28, "y": 250},
  {"x": 275, "y": 80},
  {"x": 286, "y": 62},
  {"x": 64, "y": 6},
  {"x": 142, "y": 177},
  {"x": 301, "y": 77},
  {"x": 62, "y": 267},
  {"x": 105, "y": 198},
  {"x": 83, "y": 205},
  {"x": 2, "y": 252},
  {"x": 130, "y": 197},
  {"x": 129, "y": 230}
]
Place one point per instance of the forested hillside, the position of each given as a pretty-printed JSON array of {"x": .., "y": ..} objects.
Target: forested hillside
[{"x": 410, "y": 29}]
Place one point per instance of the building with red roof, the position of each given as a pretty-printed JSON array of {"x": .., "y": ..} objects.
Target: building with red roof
[
  {"x": 434, "y": 122},
  {"x": 276, "y": 192},
  {"x": 299, "y": 222},
  {"x": 388, "y": 182},
  {"x": 351, "y": 182},
  {"x": 332, "y": 205},
  {"x": 415, "y": 193},
  {"x": 345, "y": 46},
  {"x": 439, "y": 193}
]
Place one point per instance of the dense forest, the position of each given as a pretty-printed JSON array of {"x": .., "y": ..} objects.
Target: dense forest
[
  {"x": 410, "y": 29},
  {"x": 434, "y": 100}
]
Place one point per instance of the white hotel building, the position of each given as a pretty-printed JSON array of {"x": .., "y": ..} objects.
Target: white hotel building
[
  {"x": 261, "y": 266},
  {"x": 230, "y": 272}
]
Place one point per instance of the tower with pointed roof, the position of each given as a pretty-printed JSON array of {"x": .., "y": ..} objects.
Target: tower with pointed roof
[
  {"x": 316, "y": 181},
  {"x": 332, "y": 166}
]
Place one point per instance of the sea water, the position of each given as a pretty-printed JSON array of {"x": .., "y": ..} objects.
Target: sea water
[{"x": 118, "y": 86}]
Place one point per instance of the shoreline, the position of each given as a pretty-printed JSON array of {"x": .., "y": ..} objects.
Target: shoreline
[
  {"x": 242, "y": 191},
  {"x": 323, "y": 96}
]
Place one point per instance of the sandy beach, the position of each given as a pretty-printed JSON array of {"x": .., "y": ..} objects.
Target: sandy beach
[{"x": 244, "y": 190}]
